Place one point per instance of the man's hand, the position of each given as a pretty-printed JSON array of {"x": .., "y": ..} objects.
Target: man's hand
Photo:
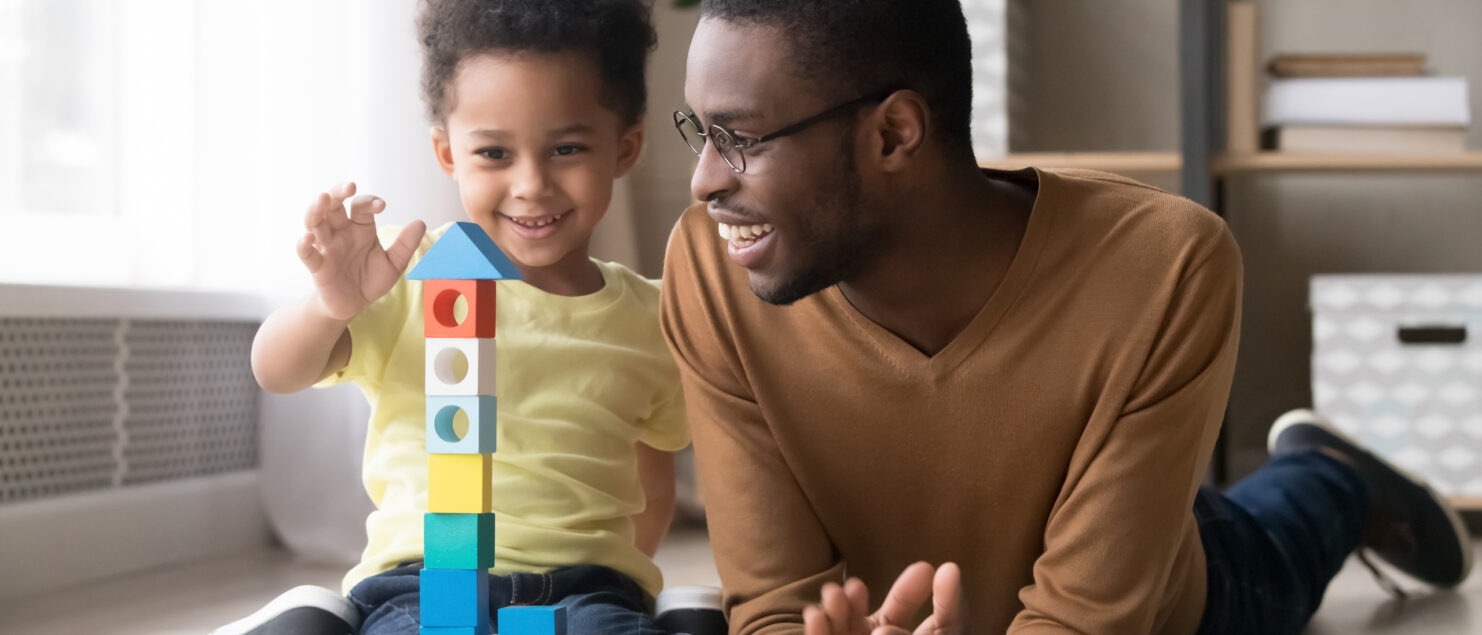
[
  {"x": 350, "y": 268},
  {"x": 844, "y": 610}
]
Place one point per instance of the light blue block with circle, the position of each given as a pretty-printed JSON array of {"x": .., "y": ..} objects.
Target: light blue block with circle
[{"x": 483, "y": 424}]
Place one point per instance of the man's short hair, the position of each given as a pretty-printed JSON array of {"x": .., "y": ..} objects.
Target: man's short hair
[
  {"x": 617, "y": 35},
  {"x": 852, "y": 47}
]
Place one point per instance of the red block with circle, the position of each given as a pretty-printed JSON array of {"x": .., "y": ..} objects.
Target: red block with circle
[{"x": 440, "y": 298}]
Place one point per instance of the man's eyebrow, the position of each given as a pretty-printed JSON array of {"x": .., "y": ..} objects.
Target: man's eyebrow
[{"x": 727, "y": 117}]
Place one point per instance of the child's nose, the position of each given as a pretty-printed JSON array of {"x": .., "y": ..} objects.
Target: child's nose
[{"x": 531, "y": 180}]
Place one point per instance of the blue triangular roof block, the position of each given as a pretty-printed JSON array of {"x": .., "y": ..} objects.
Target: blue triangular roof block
[{"x": 464, "y": 252}]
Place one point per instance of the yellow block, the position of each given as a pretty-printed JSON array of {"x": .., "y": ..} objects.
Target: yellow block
[{"x": 459, "y": 483}]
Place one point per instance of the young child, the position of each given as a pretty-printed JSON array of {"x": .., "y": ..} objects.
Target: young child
[{"x": 535, "y": 109}]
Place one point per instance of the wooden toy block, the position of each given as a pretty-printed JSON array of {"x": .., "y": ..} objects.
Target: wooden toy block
[
  {"x": 481, "y": 437},
  {"x": 439, "y": 303},
  {"x": 459, "y": 484},
  {"x": 455, "y": 597},
  {"x": 458, "y": 541},
  {"x": 464, "y": 252},
  {"x": 460, "y": 366},
  {"x": 532, "y": 620}
]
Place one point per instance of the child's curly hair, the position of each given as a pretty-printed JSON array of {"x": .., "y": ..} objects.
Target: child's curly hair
[{"x": 616, "y": 34}]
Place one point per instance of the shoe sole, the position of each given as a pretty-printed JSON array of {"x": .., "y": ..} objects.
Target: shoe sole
[
  {"x": 1301, "y": 416},
  {"x": 300, "y": 597}
]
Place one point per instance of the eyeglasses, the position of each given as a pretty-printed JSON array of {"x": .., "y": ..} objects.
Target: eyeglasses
[{"x": 731, "y": 145}]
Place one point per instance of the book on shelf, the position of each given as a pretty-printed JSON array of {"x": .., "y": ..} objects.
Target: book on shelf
[
  {"x": 1368, "y": 101},
  {"x": 1347, "y": 65},
  {"x": 1366, "y": 139}
]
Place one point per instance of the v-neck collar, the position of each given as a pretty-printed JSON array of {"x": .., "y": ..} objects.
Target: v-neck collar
[{"x": 1020, "y": 271}]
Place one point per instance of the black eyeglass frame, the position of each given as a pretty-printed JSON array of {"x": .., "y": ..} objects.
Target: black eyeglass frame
[{"x": 740, "y": 143}]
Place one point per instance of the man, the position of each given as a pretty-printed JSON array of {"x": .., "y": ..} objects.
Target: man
[{"x": 893, "y": 357}]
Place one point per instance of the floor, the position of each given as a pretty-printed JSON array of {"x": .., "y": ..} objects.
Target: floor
[{"x": 198, "y": 597}]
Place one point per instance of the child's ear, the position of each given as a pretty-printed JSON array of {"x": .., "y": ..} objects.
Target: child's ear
[
  {"x": 629, "y": 146},
  {"x": 443, "y": 149}
]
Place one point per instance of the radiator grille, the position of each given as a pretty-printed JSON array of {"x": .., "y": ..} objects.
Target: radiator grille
[{"x": 93, "y": 404}]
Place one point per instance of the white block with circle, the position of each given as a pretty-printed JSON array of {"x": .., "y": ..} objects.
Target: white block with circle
[
  {"x": 460, "y": 366},
  {"x": 475, "y": 432}
]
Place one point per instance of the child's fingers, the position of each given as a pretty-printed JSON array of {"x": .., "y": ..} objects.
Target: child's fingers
[
  {"x": 309, "y": 254},
  {"x": 859, "y": 600},
  {"x": 363, "y": 209},
  {"x": 406, "y": 243},
  {"x": 837, "y": 607},
  {"x": 337, "y": 196},
  {"x": 315, "y": 220},
  {"x": 815, "y": 622}
]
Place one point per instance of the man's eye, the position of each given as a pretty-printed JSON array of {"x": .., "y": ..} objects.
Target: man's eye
[
  {"x": 568, "y": 149},
  {"x": 492, "y": 154}
]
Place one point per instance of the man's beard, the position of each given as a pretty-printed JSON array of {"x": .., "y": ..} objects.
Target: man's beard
[{"x": 842, "y": 237}]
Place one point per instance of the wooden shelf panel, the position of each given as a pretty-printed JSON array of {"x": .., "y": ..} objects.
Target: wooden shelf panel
[
  {"x": 1319, "y": 162},
  {"x": 1118, "y": 162},
  {"x": 1466, "y": 503}
]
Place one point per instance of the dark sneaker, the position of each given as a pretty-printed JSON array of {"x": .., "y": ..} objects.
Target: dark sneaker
[
  {"x": 303, "y": 610},
  {"x": 691, "y": 610},
  {"x": 1411, "y": 527}
]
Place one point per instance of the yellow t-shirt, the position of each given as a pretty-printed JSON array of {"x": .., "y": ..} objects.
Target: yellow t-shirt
[{"x": 580, "y": 379}]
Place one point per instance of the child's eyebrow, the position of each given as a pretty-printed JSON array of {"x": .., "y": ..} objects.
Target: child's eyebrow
[
  {"x": 493, "y": 134},
  {"x": 580, "y": 128}
]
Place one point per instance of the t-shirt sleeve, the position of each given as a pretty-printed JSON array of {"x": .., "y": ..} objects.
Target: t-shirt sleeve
[
  {"x": 771, "y": 550},
  {"x": 1103, "y": 569},
  {"x": 666, "y": 428},
  {"x": 374, "y": 331}
]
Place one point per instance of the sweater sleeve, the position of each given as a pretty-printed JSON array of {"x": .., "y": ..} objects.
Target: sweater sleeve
[
  {"x": 1112, "y": 539},
  {"x": 771, "y": 550}
]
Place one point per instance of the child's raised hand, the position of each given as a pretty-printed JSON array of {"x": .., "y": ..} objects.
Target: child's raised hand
[{"x": 350, "y": 268}]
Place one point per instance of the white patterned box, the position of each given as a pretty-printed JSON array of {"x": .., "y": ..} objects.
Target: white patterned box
[{"x": 1397, "y": 364}]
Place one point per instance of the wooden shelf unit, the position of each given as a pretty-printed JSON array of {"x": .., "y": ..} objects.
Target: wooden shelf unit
[
  {"x": 1329, "y": 162},
  {"x": 1117, "y": 162}
]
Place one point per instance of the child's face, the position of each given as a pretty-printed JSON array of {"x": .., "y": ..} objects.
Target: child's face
[{"x": 534, "y": 153}]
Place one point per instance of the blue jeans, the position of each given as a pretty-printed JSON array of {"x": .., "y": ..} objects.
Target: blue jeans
[
  {"x": 597, "y": 599},
  {"x": 1275, "y": 540}
]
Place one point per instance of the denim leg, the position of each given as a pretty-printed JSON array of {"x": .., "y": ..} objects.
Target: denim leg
[
  {"x": 597, "y": 600},
  {"x": 1275, "y": 540},
  {"x": 390, "y": 602}
]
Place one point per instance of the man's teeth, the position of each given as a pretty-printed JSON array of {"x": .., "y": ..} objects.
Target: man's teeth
[{"x": 744, "y": 233}]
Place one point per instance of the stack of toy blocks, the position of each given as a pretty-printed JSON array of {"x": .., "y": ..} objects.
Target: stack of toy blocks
[{"x": 458, "y": 529}]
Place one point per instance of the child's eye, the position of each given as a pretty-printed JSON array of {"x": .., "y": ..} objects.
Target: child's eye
[
  {"x": 568, "y": 149},
  {"x": 492, "y": 154}
]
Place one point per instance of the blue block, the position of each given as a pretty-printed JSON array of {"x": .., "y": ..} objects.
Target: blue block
[
  {"x": 464, "y": 252},
  {"x": 450, "y": 630},
  {"x": 458, "y": 541},
  {"x": 532, "y": 620},
  {"x": 483, "y": 424},
  {"x": 455, "y": 597}
]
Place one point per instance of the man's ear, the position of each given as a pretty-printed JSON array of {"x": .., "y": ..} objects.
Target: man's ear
[
  {"x": 443, "y": 148},
  {"x": 903, "y": 120},
  {"x": 629, "y": 147}
]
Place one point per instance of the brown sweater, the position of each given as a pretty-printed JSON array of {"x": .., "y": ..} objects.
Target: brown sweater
[{"x": 1052, "y": 449}]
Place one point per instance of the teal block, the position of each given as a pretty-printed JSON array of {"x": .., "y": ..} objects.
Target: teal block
[
  {"x": 532, "y": 620},
  {"x": 455, "y": 597},
  {"x": 458, "y": 541},
  {"x": 465, "y": 252},
  {"x": 483, "y": 424}
]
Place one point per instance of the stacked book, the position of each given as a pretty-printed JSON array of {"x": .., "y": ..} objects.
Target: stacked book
[{"x": 1363, "y": 104}]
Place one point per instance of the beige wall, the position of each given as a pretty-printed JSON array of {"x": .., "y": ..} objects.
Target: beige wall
[
  {"x": 1103, "y": 76},
  {"x": 661, "y": 179}
]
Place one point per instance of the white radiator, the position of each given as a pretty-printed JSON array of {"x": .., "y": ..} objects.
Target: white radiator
[{"x": 128, "y": 432}]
